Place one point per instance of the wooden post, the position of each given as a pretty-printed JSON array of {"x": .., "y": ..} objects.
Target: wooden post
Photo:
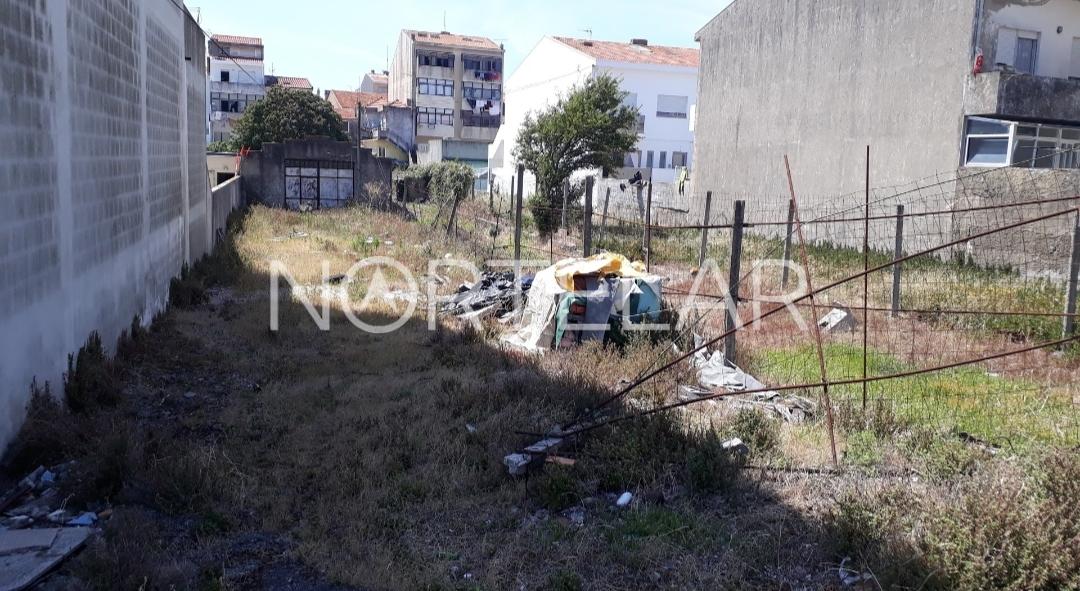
[
  {"x": 603, "y": 218},
  {"x": 898, "y": 251},
  {"x": 453, "y": 213},
  {"x": 586, "y": 229},
  {"x": 731, "y": 305},
  {"x": 705, "y": 231},
  {"x": 517, "y": 219},
  {"x": 1069, "y": 324},
  {"x": 648, "y": 229},
  {"x": 491, "y": 191},
  {"x": 787, "y": 242}
]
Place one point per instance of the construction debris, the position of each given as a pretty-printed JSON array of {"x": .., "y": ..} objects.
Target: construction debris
[
  {"x": 624, "y": 499},
  {"x": 493, "y": 293},
  {"x": 736, "y": 447},
  {"x": 518, "y": 463},
  {"x": 27, "y": 555},
  {"x": 714, "y": 372},
  {"x": 839, "y": 319}
]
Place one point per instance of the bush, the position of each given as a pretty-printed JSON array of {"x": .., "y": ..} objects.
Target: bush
[
  {"x": 760, "y": 433},
  {"x": 45, "y": 435},
  {"x": 186, "y": 291},
  {"x": 90, "y": 382},
  {"x": 443, "y": 182}
]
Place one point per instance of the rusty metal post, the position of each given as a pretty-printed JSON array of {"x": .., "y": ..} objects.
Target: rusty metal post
[
  {"x": 705, "y": 231},
  {"x": 731, "y": 304},
  {"x": 866, "y": 280},
  {"x": 648, "y": 229}
]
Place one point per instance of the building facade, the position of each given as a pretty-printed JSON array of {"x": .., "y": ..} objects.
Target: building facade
[
  {"x": 376, "y": 82},
  {"x": 660, "y": 82},
  {"x": 930, "y": 85},
  {"x": 237, "y": 79},
  {"x": 453, "y": 83}
]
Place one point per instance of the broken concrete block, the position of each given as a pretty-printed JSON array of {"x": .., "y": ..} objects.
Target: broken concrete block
[
  {"x": 83, "y": 520},
  {"x": 28, "y": 559},
  {"x": 838, "y": 319},
  {"x": 517, "y": 464}
]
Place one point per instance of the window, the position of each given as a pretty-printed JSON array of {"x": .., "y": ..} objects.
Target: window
[
  {"x": 996, "y": 142},
  {"x": 436, "y": 59},
  {"x": 648, "y": 159},
  {"x": 632, "y": 159},
  {"x": 317, "y": 184},
  {"x": 663, "y": 159},
  {"x": 433, "y": 116},
  {"x": 482, "y": 119},
  {"x": 1018, "y": 49},
  {"x": 671, "y": 106},
  {"x": 678, "y": 159},
  {"x": 435, "y": 86},
  {"x": 481, "y": 91},
  {"x": 224, "y": 75},
  {"x": 481, "y": 64}
]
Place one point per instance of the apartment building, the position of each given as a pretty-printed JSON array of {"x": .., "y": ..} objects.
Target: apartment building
[
  {"x": 930, "y": 85},
  {"x": 376, "y": 82},
  {"x": 237, "y": 79},
  {"x": 453, "y": 83},
  {"x": 659, "y": 81}
]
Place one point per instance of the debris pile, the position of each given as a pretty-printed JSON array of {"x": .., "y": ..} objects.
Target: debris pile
[
  {"x": 38, "y": 530},
  {"x": 839, "y": 319},
  {"x": 714, "y": 372},
  {"x": 492, "y": 294}
]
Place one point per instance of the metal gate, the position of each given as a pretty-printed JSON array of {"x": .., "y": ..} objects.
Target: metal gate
[{"x": 317, "y": 184}]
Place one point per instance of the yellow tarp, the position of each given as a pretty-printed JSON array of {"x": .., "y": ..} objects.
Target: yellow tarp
[{"x": 602, "y": 264}]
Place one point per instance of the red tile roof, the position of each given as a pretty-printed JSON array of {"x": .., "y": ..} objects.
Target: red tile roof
[
  {"x": 345, "y": 101},
  {"x": 453, "y": 40},
  {"x": 635, "y": 54},
  {"x": 289, "y": 82},
  {"x": 237, "y": 39}
]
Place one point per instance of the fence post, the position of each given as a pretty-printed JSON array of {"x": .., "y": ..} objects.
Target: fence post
[
  {"x": 491, "y": 191},
  {"x": 603, "y": 218},
  {"x": 898, "y": 251},
  {"x": 517, "y": 218},
  {"x": 586, "y": 230},
  {"x": 787, "y": 242},
  {"x": 565, "y": 198},
  {"x": 648, "y": 229},
  {"x": 705, "y": 230},
  {"x": 453, "y": 213},
  {"x": 731, "y": 304},
  {"x": 1069, "y": 324}
]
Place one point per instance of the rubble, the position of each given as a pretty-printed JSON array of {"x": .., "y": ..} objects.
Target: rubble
[
  {"x": 839, "y": 319},
  {"x": 736, "y": 447},
  {"x": 715, "y": 373},
  {"x": 493, "y": 293}
]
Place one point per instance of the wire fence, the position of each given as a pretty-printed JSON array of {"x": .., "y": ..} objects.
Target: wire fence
[{"x": 957, "y": 292}]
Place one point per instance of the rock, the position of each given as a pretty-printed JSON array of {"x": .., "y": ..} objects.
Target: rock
[
  {"x": 517, "y": 464},
  {"x": 624, "y": 499},
  {"x": 576, "y": 515},
  {"x": 470, "y": 427},
  {"x": 838, "y": 319}
]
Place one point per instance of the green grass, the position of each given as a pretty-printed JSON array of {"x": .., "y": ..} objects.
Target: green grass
[{"x": 1000, "y": 410}]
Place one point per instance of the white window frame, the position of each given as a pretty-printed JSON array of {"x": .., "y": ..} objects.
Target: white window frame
[
  {"x": 673, "y": 114},
  {"x": 1066, "y": 150}
]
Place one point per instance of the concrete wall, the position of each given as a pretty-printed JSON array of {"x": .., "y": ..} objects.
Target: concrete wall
[
  {"x": 819, "y": 81},
  {"x": 224, "y": 198},
  {"x": 1055, "y": 57},
  {"x": 262, "y": 171},
  {"x": 102, "y": 176}
]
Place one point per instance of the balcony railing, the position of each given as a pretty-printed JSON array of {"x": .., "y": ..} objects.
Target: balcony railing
[{"x": 471, "y": 119}]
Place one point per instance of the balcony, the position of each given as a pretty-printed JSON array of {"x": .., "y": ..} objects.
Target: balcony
[
  {"x": 237, "y": 88},
  {"x": 1023, "y": 96}
]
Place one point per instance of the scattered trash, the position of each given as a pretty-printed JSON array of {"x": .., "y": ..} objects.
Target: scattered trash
[
  {"x": 576, "y": 515},
  {"x": 59, "y": 516},
  {"x": 838, "y": 319},
  {"x": 494, "y": 292},
  {"x": 518, "y": 463},
  {"x": 471, "y": 428},
  {"x": 736, "y": 447},
  {"x": 299, "y": 234},
  {"x": 85, "y": 519},
  {"x": 338, "y": 279},
  {"x": 26, "y": 555},
  {"x": 715, "y": 372},
  {"x": 850, "y": 577},
  {"x": 624, "y": 499}
]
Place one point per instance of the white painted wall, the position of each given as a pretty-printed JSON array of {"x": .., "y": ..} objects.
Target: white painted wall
[
  {"x": 96, "y": 222},
  {"x": 1055, "y": 58},
  {"x": 552, "y": 68}
]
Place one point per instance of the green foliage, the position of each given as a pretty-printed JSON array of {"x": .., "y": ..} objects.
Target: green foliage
[
  {"x": 588, "y": 128},
  {"x": 760, "y": 433},
  {"x": 558, "y": 490},
  {"x": 442, "y": 181},
  {"x": 284, "y": 115},
  {"x": 220, "y": 146},
  {"x": 90, "y": 382}
]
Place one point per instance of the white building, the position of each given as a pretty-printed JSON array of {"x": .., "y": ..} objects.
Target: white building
[
  {"x": 376, "y": 82},
  {"x": 237, "y": 79},
  {"x": 660, "y": 81}
]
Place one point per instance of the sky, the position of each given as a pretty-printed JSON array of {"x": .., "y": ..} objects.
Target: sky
[{"x": 333, "y": 42}]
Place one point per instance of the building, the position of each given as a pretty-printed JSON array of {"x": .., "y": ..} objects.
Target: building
[
  {"x": 661, "y": 82},
  {"x": 103, "y": 175},
  {"x": 930, "y": 85},
  {"x": 290, "y": 82},
  {"x": 348, "y": 104},
  {"x": 237, "y": 79},
  {"x": 453, "y": 83},
  {"x": 376, "y": 82}
]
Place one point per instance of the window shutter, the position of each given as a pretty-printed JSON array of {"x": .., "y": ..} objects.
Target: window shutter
[{"x": 1006, "y": 47}]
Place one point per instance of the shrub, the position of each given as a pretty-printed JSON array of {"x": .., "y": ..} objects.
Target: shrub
[
  {"x": 186, "y": 291},
  {"x": 443, "y": 182},
  {"x": 45, "y": 435},
  {"x": 760, "y": 433},
  {"x": 90, "y": 382}
]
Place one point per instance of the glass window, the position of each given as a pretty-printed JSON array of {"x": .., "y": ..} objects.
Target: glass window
[
  {"x": 1024, "y": 152},
  {"x": 648, "y": 159},
  {"x": 671, "y": 106},
  {"x": 1027, "y": 54},
  {"x": 986, "y": 127},
  {"x": 987, "y": 151},
  {"x": 678, "y": 159},
  {"x": 663, "y": 159}
]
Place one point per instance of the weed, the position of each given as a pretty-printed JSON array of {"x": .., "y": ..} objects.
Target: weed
[
  {"x": 45, "y": 435},
  {"x": 659, "y": 523},
  {"x": 564, "y": 580},
  {"x": 863, "y": 449},
  {"x": 759, "y": 432},
  {"x": 90, "y": 382},
  {"x": 186, "y": 291},
  {"x": 130, "y": 555},
  {"x": 709, "y": 467},
  {"x": 558, "y": 490}
]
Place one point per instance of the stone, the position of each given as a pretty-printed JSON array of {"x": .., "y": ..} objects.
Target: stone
[
  {"x": 736, "y": 447},
  {"x": 624, "y": 499}
]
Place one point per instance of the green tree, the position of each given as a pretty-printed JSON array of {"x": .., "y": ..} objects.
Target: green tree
[
  {"x": 589, "y": 128},
  {"x": 285, "y": 114}
]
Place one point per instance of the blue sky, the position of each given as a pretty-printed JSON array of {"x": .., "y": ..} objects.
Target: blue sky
[{"x": 332, "y": 42}]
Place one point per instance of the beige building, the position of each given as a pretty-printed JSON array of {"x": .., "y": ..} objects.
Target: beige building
[{"x": 454, "y": 85}]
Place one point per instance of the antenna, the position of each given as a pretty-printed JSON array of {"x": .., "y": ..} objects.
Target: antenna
[
  {"x": 444, "y": 20},
  {"x": 589, "y": 31}
]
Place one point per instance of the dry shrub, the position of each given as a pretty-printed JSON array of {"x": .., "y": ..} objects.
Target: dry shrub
[
  {"x": 1001, "y": 529},
  {"x": 90, "y": 382},
  {"x": 130, "y": 555},
  {"x": 45, "y": 436}
]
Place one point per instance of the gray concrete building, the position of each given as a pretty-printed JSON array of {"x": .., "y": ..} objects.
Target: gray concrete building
[
  {"x": 103, "y": 178},
  {"x": 930, "y": 85}
]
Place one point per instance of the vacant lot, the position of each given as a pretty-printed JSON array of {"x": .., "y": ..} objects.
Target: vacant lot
[{"x": 239, "y": 457}]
